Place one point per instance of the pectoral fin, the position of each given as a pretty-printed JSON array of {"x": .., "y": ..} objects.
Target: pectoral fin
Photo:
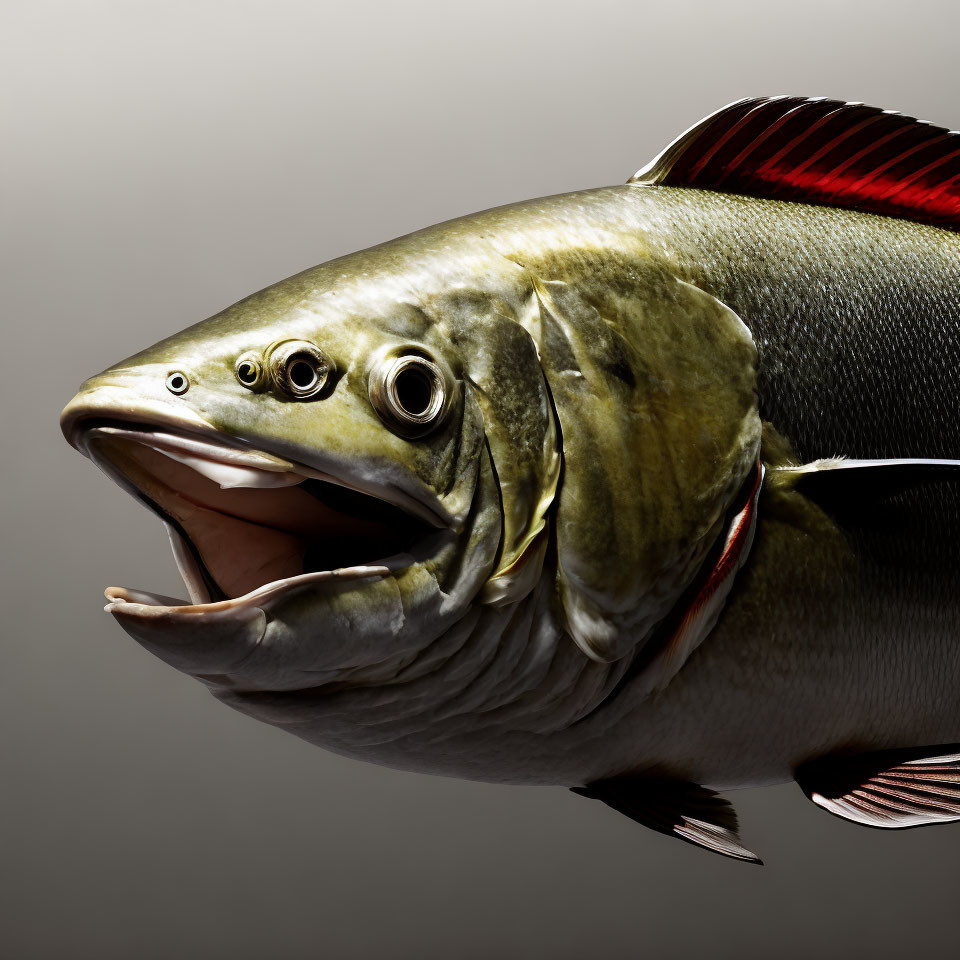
[
  {"x": 676, "y": 808},
  {"x": 836, "y": 483},
  {"x": 892, "y": 790}
]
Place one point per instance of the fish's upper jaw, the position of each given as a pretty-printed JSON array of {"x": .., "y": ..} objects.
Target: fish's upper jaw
[{"x": 117, "y": 401}]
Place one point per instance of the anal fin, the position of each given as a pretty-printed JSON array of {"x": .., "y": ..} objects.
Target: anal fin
[
  {"x": 677, "y": 808},
  {"x": 890, "y": 790}
]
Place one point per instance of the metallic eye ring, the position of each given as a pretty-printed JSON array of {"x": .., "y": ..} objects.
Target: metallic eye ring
[
  {"x": 299, "y": 369},
  {"x": 409, "y": 394},
  {"x": 177, "y": 382}
]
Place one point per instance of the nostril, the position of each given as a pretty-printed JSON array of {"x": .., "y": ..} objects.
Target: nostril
[{"x": 247, "y": 373}]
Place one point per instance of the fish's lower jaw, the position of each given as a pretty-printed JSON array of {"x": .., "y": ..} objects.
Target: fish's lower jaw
[
  {"x": 155, "y": 604},
  {"x": 194, "y": 640},
  {"x": 245, "y": 524}
]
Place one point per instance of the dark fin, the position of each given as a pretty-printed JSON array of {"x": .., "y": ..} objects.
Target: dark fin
[
  {"x": 676, "y": 808},
  {"x": 815, "y": 150},
  {"x": 891, "y": 790},
  {"x": 859, "y": 483}
]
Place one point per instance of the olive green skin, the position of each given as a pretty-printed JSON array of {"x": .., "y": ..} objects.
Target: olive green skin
[{"x": 601, "y": 328}]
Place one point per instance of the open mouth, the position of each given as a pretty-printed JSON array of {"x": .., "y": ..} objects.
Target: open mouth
[{"x": 242, "y": 521}]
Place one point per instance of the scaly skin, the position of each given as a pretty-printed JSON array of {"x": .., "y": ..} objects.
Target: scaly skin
[{"x": 840, "y": 632}]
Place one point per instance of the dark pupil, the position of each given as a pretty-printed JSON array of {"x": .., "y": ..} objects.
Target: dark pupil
[
  {"x": 248, "y": 372},
  {"x": 176, "y": 382},
  {"x": 414, "y": 390},
  {"x": 302, "y": 374}
]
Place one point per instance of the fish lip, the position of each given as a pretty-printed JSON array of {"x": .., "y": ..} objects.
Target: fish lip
[
  {"x": 122, "y": 405},
  {"x": 143, "y": 604},
  {"x": 184, "y": 444},
  {"x": 83, "y": 419}
]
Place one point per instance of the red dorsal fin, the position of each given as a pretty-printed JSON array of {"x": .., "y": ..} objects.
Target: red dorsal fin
[{"x": 814, "y": 150}]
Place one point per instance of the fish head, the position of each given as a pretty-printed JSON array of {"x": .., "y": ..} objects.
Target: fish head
[{"x": 318, "y": 457}]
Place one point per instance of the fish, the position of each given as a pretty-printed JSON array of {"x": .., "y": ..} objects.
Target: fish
[{"x": 649, "y": 491}]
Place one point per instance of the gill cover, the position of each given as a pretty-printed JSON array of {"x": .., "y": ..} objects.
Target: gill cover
[
  {"x": 502, "y": 373},
  {"x": 654, "y": 385}
]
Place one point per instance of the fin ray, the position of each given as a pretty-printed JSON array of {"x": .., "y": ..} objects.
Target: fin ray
[
  {"x": 676, "y": 808},
  {"x": 816, "y": 150},
  {"x": 886, "y": 790},
  {"x": 836, "y": 483}
]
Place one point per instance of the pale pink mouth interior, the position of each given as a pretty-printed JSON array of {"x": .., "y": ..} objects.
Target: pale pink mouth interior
[{"x": 230, "y": 541}]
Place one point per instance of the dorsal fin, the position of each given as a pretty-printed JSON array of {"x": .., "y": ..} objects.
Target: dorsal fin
[{"x": 815, "y": 150}]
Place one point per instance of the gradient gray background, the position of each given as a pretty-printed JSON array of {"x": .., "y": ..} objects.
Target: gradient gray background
[{"x": 162, "y": 160}]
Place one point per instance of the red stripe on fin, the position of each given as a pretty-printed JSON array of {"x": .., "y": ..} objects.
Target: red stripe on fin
[
  {"x": 814, "y": 150},
  {"x": 703, "y": 611}
]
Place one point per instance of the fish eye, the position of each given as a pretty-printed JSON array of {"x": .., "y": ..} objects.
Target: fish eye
[
  {"x": 409, "y": 394},
  {"x": 299, "y": 369},
  {"x": 249, "y": 371},
  {"x": 177, "y": 382}
]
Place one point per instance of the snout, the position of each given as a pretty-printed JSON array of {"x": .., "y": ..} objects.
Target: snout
[{"x": 137, "y": 395}]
